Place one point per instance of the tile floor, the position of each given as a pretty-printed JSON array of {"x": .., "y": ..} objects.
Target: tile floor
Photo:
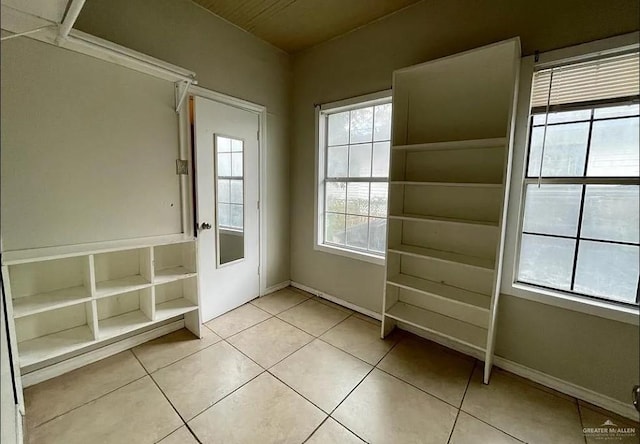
[{"x": 290, "y": 368}]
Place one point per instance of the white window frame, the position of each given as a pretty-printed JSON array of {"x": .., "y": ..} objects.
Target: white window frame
[
  {"x": 376, "y": 98},
  {"x": 509, "y": 284}
]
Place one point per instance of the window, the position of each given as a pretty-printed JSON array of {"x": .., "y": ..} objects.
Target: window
[
  {"x": 580, "y": 226},
  {"x": 230, "y": 183},
  {"x": 354, "y": 141}
]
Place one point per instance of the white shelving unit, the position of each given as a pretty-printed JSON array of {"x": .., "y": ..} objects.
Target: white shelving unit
[
  {"x": 450, "y": 163},
  {"x": 68, "y": 299}
]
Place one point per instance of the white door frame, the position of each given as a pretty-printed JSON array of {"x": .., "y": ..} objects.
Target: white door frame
[{"x": 186, "y": 153}]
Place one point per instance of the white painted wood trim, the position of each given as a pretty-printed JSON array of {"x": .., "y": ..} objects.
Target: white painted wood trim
[
  {"x": 68, "y": 365},
  {"x": 568, "y": 388},
  {"x": 336, "y": 300},
  {"x": 276, "y": 287}
]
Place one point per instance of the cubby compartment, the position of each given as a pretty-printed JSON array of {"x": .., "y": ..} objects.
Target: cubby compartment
[
  {"x": 41, "y": 286},
  {"x": 175, "y": 298},
  {"x": 45, "y": 335},
  {"x": 124, "y": 312},
  {"x": 174, "y": 262},
  {"x": 122, "y": 271}
]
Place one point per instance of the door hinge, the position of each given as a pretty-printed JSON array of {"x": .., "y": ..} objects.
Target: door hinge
[
  {"x": 258, "y": 269},
  {"x": 258, "y": 205},
  {"x": 258, "y": 134},
  {"x": 182, "y": 167}
]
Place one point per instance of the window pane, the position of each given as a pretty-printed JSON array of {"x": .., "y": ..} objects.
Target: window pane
[
  {"x": 224, "y": 214},
  {"x": 617, "y": 111},
  {"x": 357, "y": 231},
  {"x": 615, "y": 148},
  {"x": 338, "y": 131},
  {"x": 337, "y": 161},
  {"x": 223, "y": 190},
  {"x": 336, "y": 196},
  {"x": 382, "y": 122},
  {"x": 552, "y": 209},
  {"x": 236, "y": 145},
  {"x": 358, "y": 198},
  {"x": 564, "y": 153},
  {"x": 236, "y": 165},
  {"x": 378, "y": 204},
  {"x": 361, "y": 125},
  {"x": 236, "y": 216},
  {"x": 546, "y": 261},
  {"x": 381, "y": 159},
  {"x": 360, "y": 160},
  {"x": 224, "y": 144},
  {"x": 564, "y": 116},
  {"x": 334, "y": 228},
  {"x": 224, "y": 164},
  {"x": 607, "y": 270},
  {"x": 377, "y": 234},
  {"x": 611, "y": 213},
  {"x": 236, "y": 191}
]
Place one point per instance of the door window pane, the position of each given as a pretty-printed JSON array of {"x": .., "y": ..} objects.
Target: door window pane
[
  {"x": 552, "y": 209},
  {"x": 224, "y": 191},
  {"x": 546, "y": 261},
  {"x": 236, "y": 165},
  {"x": 224, "y": 164},
  {"x": 611, "y": 213},
  {"x": 361, "y": 125},
  {"x": 236, "y": 191},
  {"x": 607, "y": 270},
  {"x": 360, "y": 160},
  {"x": 564, "y": 153},
  {"x": 614, "y": 148}
]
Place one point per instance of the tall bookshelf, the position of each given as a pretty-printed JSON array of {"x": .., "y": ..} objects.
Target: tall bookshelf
[{"x": 449, "y": 173}]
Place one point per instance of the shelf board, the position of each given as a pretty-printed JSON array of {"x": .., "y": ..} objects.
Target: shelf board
[
  {"x": 173, "y": 308},
  {"x": 445, "y": 256},
  {"x": 172, "y": 274},
  {"x": 446, "y": 184},
  {"x": 122, "y": 285},
  {"x": 465, "y": 305},
  {"x": 453, "y": 329},
  {"x": 499, "y": 142},
  {"x": 422, "y": 218},
  {"x": 51, "y": 300},
  {"x": 121, "y": 324},
  {"x": 53, "y": 345}
]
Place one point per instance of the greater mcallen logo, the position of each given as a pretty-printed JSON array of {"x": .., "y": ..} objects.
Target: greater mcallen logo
[{"x": 609, "y": 431}]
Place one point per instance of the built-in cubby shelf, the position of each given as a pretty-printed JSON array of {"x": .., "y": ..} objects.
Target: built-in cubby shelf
[
  {"x": 448, "y": 187},
  {"x": 81, "y": 298}
]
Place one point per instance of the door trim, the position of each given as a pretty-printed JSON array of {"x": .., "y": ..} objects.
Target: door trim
[{"x": 261, "y": 112}]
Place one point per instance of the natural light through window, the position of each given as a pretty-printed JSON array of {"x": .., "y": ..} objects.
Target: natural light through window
[
  {"x": 580, "y": 226},
  {"x": 356, "y": 145}
]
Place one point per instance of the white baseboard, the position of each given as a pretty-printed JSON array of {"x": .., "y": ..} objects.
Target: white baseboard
[
  {"x": 616, "y": 406},
  {"x": 336, "y": 300},
  {"x": 70, "y": 364},
  {"x": 277, "y": 287},
  {"x": 568, "y": 388}
]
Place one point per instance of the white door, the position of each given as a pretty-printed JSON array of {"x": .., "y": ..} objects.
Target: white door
[{"x": 227, "y": 181}]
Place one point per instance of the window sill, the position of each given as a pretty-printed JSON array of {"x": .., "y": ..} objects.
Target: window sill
[
  {"x": 592, "y": 307},
  {"x": 350, "y": 254}
]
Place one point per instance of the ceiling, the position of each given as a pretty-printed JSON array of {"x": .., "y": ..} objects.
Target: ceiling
[{"x": 293, "y": 25}]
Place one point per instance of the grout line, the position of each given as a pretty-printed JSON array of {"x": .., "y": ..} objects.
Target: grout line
[
  {"x": 176, "y": 361},
  {"x": 492, "y": 426},
  {"x": 581, "y": 421},
  {"x": 475, "y": 363},
  {"x": 316, "y": 429},
  {"x": 243, "y": 330}
]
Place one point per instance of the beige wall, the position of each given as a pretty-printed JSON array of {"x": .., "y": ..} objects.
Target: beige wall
[
  {"x": 362, "y": 62},
  {"x": 225, "y": 59}
]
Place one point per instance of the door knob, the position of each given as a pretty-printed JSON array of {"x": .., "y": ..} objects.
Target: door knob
[{"x": 205, "y": 226}]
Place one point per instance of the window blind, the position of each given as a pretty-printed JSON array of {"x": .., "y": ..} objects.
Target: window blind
[{"x": 607, "y": 78}]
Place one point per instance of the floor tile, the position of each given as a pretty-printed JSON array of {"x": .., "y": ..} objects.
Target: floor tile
[
  {"x": 383, "y": 409},
  {"x": 468, "y": 430},
  {"x": 321, "y": 373},
  {"x": 270, "y": 341},
  {"x": 280, "y": 301},
  {"x": 313, "y": 317},
  {"x": 56, "y": 396},
  {"x": 522, "y": 410},
  {"x": 361, "y": 339},
  {"x": 263, "y": 411},
  {"x": 330, "y": 432},
  {"x": 172, "y": 347},
  {"x": 180, "y": 436},
  {"x": 595, "y": 417},
  {"x": 237, "y": 320},
  {"x": 437, "y": 370},
  {"x": 136, "y": 413},
  {"x": 200, "y": 380}
]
